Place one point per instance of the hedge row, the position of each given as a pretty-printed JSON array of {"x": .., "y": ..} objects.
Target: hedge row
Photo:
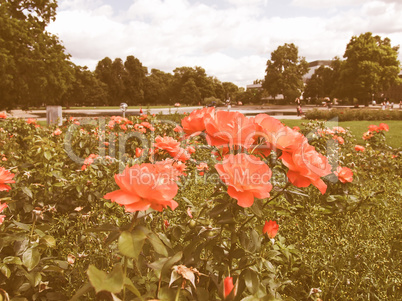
[{"x": 354, "y": 114}]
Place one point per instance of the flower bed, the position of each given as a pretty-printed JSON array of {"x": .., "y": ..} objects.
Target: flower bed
[{"x": 218, "y": 207}]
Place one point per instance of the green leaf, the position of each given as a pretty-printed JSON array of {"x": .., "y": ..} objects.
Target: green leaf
[
  {"x": 256, "y": 208},
  {"x": 157, "y": 244},
  {"x": 86, "y": 288},
  {"x": 48, "y": 155},
  {"x": 255, "y": 242},
  {"x": 171, "y": 261},
  {"x": 202, "y": 294},
  {"x": 130, "y": 286},
  {"x": 101, "y": 281},
  {"x": 130, "y": 244},
  {"x": 271, "y": 254},
  {"x": 166, "y": 294},
  {"x": 5, "y": 270},
  {"x": 34, "y": 278},
  {"x": 27, "y": 191},
  {"x": 12, "y": 260},
  {"x": 250, "y": 298},
  {"x": 48, "y": 241},
  {"x": 251, "y": 281},
  {"x": 31, "y": 258}
]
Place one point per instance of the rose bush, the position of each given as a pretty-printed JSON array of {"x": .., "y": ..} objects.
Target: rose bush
[{"x": 143, "y": 221}]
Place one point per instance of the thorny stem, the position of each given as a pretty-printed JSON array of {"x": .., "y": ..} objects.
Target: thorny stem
[
  {"x": 177, "y": 294},
  {"x": 125, "y": 275},
  {"x": 133, "y": 222},
  {"x": 263, "y": 206},
  {"x": 277, "y": 195},
  {"x": 32, "y": 229}
]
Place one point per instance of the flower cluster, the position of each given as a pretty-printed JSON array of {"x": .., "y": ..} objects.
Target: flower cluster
[
  {"x": 242, "y": 144},
  {"x": 6, "y": 177},
  {"x": 373, "y": 129}
]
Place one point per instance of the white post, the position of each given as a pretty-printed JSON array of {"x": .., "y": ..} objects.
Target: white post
[{"x": 54, "y": 115}]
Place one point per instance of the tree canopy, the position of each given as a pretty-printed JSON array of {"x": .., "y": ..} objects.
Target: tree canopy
[
  {"x": 34, "y": 68},
  {"x": 321, "y": 84},
  {"x": 371, "y": 66},
  {"x": 284, "y": 72}
]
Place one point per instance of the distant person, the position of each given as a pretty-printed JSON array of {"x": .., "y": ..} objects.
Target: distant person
[
  {"x": 392, "y": 105},
  {"x": 299, "y": 110},
  {"x": 297, "y": 101},
  {"x": 383, "y": 105},
  {"x": 387, "y": 104},
  {"x": 400, "y": 104},
  {"x": 141, "y": 111}
]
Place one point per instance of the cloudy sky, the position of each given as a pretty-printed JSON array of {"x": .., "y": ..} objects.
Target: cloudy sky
[{"x": 231, "y": 39}]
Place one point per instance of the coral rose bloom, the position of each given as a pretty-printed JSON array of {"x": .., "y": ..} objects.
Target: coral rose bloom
[
  {"x": 359, "y": 148},
  {"x": 384, "y": 127},
  {"x": 270, "y": 228},
  {"x": 143, "y": 186},
  {"x": 367, "y": 135},
  {"x": 306, "y": 166},
  {"x": 2, "y": 207},
  {"x": 195, "y": 121},
  {"x": 57, "y": 132},
  {"x": 5, "y": 177},
  {"x": 344, "y": 174},
  {"x": 339, "y": 129},
  {"x": 287, "y": 139},
  {"x": 267, "y": 124},
  {"x": 228, "y": 287},
  {"x": 169, "y": 144},
  {"x": 246, "y": 176},
  {"x": 3, "y": 115},
  {"x": 229, "y": 129},
  {"x": 267, "y": 128},
  {"x": 373, "y": 128}
]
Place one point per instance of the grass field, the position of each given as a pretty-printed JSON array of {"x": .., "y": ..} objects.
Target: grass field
[
  {"x": 118, "y": 108},
  {"x": 394, "y": 136}
]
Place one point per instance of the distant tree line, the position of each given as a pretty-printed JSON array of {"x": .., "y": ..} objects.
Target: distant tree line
[
  {"x": 370, "y": 66},
  {"x": 35, "y": 70}
]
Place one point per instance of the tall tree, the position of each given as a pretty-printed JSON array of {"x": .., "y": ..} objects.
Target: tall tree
[
  {"x": 34, "y": 69},
  {"x": 284, "y": 72},
  {"x": 134, "y": 81},
  {"x": 157, "y": 87},
  {"x": 86, "y": 89},
  {"x": 185, "y": 77},
  {"x": 371, "y": 66},
  {"x": 230, "y": 90},
  {"x": 218, "y": 88},
  {"x": 117, "y": 88},
  {"x": 112, "y": 73},
  {"x": 321, "y": 84},
  {"x": 189, "y": 92},
  {"x": 103, "y": 72}
]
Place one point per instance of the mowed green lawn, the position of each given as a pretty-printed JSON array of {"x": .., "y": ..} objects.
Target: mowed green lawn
[
  {"x": 117, "y": 107},
  {"x": 394, "y": 136}
]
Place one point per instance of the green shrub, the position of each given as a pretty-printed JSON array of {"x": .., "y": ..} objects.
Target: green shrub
[
  {"x": 353, "y": 114},
  {"x": 61, "y": 238}
]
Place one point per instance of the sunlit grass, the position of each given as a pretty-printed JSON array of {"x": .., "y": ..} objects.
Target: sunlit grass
[{"x": 394, "y": 136}]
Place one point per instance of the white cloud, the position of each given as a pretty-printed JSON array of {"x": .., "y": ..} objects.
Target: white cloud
[
  {"x": 231, "y": 42},
  {"x": 326, "y": 3},
  {"x": 246, "y": 2}
]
